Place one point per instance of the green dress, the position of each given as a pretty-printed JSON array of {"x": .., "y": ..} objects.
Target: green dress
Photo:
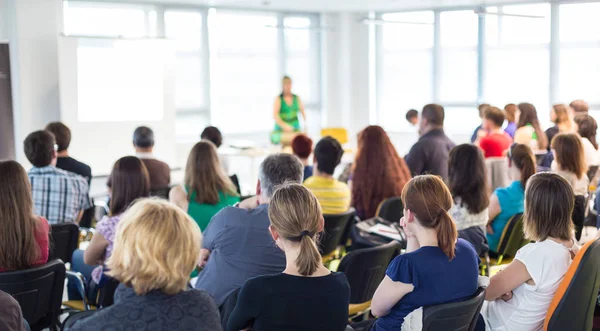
[{"x": 288, "y": 114}]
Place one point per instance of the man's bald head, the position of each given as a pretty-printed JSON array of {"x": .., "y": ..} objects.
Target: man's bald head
[{"x": 580, "y": 106}]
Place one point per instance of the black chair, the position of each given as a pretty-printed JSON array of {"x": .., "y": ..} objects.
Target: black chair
[
  {"x": 70, "y": 321},
  {"x": 391, "y": 209},
  {"x": 457, "y": 316},
  {"x": 228, "y": 306},
  {"x": 64, "y": 240},
  {"x": 333, "y": 233},
  {"x": 592, "y": 171},
  {"x": 578, "y": 215},
  {"x": 236, "y": 182},
  {"x": 38, "y": 291},
  {"x": 365, "y": 269}
]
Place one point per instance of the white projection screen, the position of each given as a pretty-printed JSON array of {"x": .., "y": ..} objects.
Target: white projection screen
[{"x": 108, "y": 87}]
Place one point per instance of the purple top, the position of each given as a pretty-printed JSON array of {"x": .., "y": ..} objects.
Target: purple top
[
  {"x": 511, "y": 128},
  {"x": 108, "y": 228}
]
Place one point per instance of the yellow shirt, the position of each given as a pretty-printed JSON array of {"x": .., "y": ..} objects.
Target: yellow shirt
[{"x": 333, "y": 195}]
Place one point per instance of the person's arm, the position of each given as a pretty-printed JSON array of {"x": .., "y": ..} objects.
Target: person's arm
[
  {"x": 415, "y": 159},
  {"x": 178, "y": 197},
  {"x": 503, "y": 283},
  {"x": 276, "y": 109},
  {"x": 303, "y": 112},
  {"x": 494, "y": 210},
  {"x": 387, "y": 295},
  {"x": 94, "y": 254},
  {"x": 215, "y": 226},
  {"x": 246, "y": 309}
]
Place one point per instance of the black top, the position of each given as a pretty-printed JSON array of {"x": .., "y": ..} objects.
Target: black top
[
  {"x": 188, "y": 310},
  {"x": 550, "y": 133},
  {"x": 71, "y": 165},
  {"x": 292, "y": 303},
  {"x": 430, "y": 154}
]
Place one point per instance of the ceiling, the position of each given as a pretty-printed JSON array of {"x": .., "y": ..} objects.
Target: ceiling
[{"x": 338, "y": 5}]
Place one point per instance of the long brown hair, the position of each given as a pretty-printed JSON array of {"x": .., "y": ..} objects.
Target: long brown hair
[
  {"x": 18, "y": 247},
  {"x": 379, "y": 172},
  {"x": 568, "y": 150},
  {"x": 510, "y": 111},
  {"x": 296, "y": 215},
  {"x": 529, "y": 116},
  {"x": 522, "y": 157},
  {"x": 205, "y": 176},
  {"x": 563, "y": 121},
  {"x": 467, "y": 177},
  {"x": 129, "y": 181},
  {"x": 430, "y": 200},
  {"x": 587, "y": 128}
]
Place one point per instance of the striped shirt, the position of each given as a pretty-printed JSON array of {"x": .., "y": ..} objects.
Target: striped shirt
[
  {"x": 333, "y": 195},
  {"x": 58, "y": 195}
]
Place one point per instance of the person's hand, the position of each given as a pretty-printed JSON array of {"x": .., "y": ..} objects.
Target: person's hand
[
  {"x": 249, "y": 203},
  {"x": 507, "y": 296},
  {"x": 489, "y": 229},
  {"x": 408, "y": 233},
  {"x": 287, "y": 128},
  {"x": 481, "y": 134},
  {"x": 203, "y": 259}
]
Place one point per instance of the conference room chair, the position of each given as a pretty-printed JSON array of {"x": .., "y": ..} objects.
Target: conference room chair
[
  {"x": 104, "y": 297},
  {"x": 38, "y": 291},
  {"x": 336, "y": 226},
  {"x": 235, "y": 180},
  {"x": 511, "y": 241},
  {"x": 88, "y": 216},
  {"x": 391, "y": 209},
  {"x": 365, "y": 269},
  {"x": 71, "y": 319},
  {"x": 64, "y": 240},
  {"x": 497, "y": 173},
  {"x": 456, "y": 316},
  {"x": 578, "y": 216},
  {"x": 339, "y": 134},
  {"x": 573, "y": 305}
]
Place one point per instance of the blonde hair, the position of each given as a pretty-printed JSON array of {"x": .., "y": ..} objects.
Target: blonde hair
[
  {"x": 295, "y": 213},
  {"x": 156, "y": 247},
  {"x": 563, "y": 121}
]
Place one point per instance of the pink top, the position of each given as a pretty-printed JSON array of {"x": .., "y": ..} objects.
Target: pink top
[{"x": 42, "y": 239}]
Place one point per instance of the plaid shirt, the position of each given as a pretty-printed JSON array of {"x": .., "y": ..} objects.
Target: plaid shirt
[{"x": 58, "y": 195}]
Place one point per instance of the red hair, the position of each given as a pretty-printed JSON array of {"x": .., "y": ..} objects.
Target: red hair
[
  {"x": 302, "y": 146},
  {"x": 378, "y": 172}
]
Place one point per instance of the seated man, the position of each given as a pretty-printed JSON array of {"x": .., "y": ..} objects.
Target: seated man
[
  {"x": 494, "y": 141},
  {"x": 237, "y": 244},
  {"x": 159, "y": 172},
  {"x": 59, "y": 196},
  {"x": 333, "y": 195},
  {"x": 62, "y": 134}
]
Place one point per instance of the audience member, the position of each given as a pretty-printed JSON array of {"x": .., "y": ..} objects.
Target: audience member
[
  {"x": 62, "y": 134},
  {"x": 467, "y": 181},
  {"x": 430, "y": 154},
  {"x": 520, "y": 295},
  {"x": 436, "y": 268},
  {"x": 510, "y": 111},
  {"x": 302, "y": 148},
  {"x": 478, "y": 131},
  {"x": 569, "y": 161},
  {"x": 58, "y": 195},
  {"x": 508, "y": 201},
  {"x": 559, "y": 115},
  {"x": 11, "y": 317},
  {"x": 379, "y": 172},
  {"x": 159, "y": 172},
  {"x": 587, "y": 127},
  {"x": 580, "y": 107},
  {"x": 529, "y": 132},
  {"x": 156, "y": 248},
  {"x": 206, "y": 189},
  {"x": 333, "y": 195},
  {"x": 495, "y": 141},
  {"x": 412, "y": 116},
  {"x": 24, "y": 236},
  {"x": 213, "y": 134},
  {"x": 278, "y": 302},
  {"x": 237, "y": 244}
]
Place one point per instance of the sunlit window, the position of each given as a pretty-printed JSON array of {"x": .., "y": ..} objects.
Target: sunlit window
[{"x": 105, "y": 19}]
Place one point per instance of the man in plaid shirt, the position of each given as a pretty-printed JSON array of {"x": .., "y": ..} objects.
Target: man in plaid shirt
[{"x": 58, "y": 195}]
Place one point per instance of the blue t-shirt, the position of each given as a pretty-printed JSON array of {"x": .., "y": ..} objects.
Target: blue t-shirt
[
  {"x": 241, "y": 248},
  {"x": 512, "y": 201},
  {"x": 436, "y": 280}
]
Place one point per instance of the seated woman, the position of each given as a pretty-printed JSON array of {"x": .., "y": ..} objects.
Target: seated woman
[
  {"x": 529, "y": 132},
  {"x": 587, "y": 128},
  {"x": 306, "y": 296},
  {"x": 559, "y": 115},
  {"x": 467, "y": 182},
  {"x": 436, "y": 268},
  {"x": 520, "y": 295},
  {"x": 508, "y": 201},
  {"x": 569, "y": 161},
  {"x": 378, "y": 171},
  {"x": 207, "y": 188},
  {"x": 302, "y": 147},
  {"x": 23, "y": 235},
  {"x": 156, "y": 248}
]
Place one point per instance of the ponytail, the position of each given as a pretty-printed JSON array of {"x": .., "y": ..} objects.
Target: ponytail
[
  {"x": 522, "y": 157},
  {"x": 446, "y": 234},
  {"x": 309, "y": 259}
]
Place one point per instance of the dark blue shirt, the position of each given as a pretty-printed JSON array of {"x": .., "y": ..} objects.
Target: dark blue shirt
[
  {"x": 308, "y": 172},
  {"x": 436, "y": 280}
]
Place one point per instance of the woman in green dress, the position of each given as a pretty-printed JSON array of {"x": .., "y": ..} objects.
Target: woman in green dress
[{"x": 285, "y": 112}]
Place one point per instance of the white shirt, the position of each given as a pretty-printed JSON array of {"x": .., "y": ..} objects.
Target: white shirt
[
  {"x": 592, "y": 156},
  {"x": 579, "y": 185},
  {"x": 547, "y": 262}
]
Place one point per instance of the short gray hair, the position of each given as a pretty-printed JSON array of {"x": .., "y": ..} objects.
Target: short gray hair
[{"x": 278, "y": 169}]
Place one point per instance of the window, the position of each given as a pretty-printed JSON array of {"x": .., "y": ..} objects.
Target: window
[
  {"x": 105, "y": 19},
  {"x": 406, "y": 71}
]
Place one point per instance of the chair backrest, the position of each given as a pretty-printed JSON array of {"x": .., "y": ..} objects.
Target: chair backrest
[
  {"x": 340, "y": 134},
  {"x": 592, "y": 171},
  {"x": 73, "y": 318},
  {"x": 335, "y": 227},
  {"x": 235, "y": 180},
  {"x": 497, "y": 172},
  {"x": 64, "y": 240},
  {"x": 106, "y": 291},
  {"x": 512, "y": 238},
  {"x": 162, "y": 193},
  {"x": 391, "y": 209},
  {"x": 458, "y": 316},
  {"x": 365, "y": 269},
  {"x": 39, "y": 292},
  {"x": 578, "y": 215},
  {"x": 573, "y": 305}
]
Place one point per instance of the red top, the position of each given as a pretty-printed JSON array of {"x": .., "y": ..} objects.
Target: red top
[
  {"x": 495, "y": 144},
  {"x": 42, "y": 239}
]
